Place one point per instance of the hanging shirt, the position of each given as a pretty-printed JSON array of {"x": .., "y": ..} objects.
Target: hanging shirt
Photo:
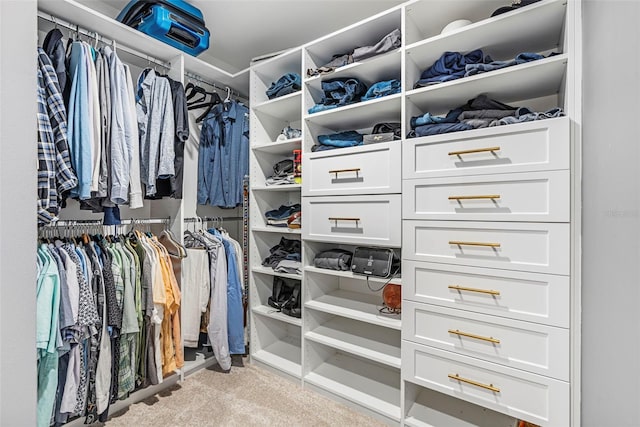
[
  {"x": 55, "y": 173},
  {"x": 235, "y": 320},
  {"x": 122, "y": 130},
  {"x": 156, "y": 129},
  {"x": 223, "y": 158},
  {"x": 80, "y": 123}
]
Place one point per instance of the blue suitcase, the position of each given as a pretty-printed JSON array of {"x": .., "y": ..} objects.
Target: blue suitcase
[{"x": 174, "y": 22}]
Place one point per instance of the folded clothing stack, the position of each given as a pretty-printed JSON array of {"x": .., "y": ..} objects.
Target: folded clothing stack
[
  {"x": 282, "y": 173},
  {"x": 455, "y": 65},
  {"x": 334, "y": 259},
  {"x": 289, "y": 133},
  {"x": 389, "y": 42},
  {"x": 348, "y": 138},
  {"x": 280, "y": 217},
  {"x": 339, "y": 92},
  {"x": 288, "y": 250},
  {"x": 288, "y": 83},
  {"x": 347, "y": 90},
  {"x": 477, "y": 113}
]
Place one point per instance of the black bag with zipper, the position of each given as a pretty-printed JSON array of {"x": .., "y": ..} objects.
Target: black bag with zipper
[{"x": 285, "y": 296}]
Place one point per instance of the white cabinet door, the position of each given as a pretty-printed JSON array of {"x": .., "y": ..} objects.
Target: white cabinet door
[
  {"x": 535, "y": 247},
  {"x": 525, "y": 147},
  {"x": 372, "y": 169},
  {"x": 530, "y": 346},
  {"x": 520, "y": 394},
  {"x": 359, "y": 220},
  {"x": 541, "y": 298},
  {"x": 535, "y": 196}
]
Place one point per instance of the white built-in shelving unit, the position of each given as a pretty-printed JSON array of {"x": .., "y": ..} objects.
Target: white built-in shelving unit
[{"x": 488, "y": 334}]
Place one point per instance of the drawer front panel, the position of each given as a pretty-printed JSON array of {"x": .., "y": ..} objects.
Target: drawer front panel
[
  {"x": 372, "y": 169},
  {"x": 361, "y": 220},
  {"x": 542, "y": 400},
  {"x": 525, "y": 147},
  {"x": 535, "y": 247},
  {"x": 541, "y": 298},
  {"x": 535, "y": 348},
  {"x": 537, "y": 196}
]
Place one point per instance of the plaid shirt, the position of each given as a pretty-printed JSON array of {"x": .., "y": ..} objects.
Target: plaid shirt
[{"x": 55, "y": 174}]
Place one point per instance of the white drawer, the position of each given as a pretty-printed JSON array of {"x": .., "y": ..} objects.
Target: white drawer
[
  {"x": 366, "y": 220},
  {"x": 524, "y": 147},
  {"x": 541, "y": 298},
  {"x": 535, "y": 196},
  {"x": 520, "y": 394},
  {"x": 530, "y": 346},
  {"x": 372, "y": 169},
  {"x": 535, "y": 247}
]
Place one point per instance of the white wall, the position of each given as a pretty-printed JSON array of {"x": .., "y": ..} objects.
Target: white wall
[
  {"x": 611, "y": 214},
  {"x": 17, "y": 212}
]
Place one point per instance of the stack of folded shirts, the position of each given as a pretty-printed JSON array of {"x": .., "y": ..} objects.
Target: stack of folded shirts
[{"x": 280, "y": 217}]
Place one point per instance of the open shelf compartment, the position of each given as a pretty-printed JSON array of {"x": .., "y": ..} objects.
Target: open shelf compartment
[
  {"x": 277, "y": 344},
  {"x": 371, "y": 342},
  {"x": 366, "y": 383}
]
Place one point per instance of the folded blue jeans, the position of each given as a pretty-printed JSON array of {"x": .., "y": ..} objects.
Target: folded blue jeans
[
  {"x": 441, "y": 128},
  {"x": 383, "y": 88},
  {"x": 342, "y": 91},
  {"x": 349, "y": 138},
  {"x": 450, "y": 66},
  {"x": 523, "y": 114},
  {"x": 288, "y": 83},
  {"x": 321, "y": 107}
]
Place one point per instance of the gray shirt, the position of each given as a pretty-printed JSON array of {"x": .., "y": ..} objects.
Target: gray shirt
[{"x": 156, "y": 129}]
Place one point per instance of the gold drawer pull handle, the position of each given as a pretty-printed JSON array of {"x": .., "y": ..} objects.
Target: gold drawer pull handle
[
  {"x": 480, "y": 291},
  {"x": 459, "y": 243},
  {"x": 487, "y": 196},
  {"x": 344, "y": 219},
  {"x": 478, "y": 337},
  {"x": 475, "y": 383},
  {"x": 337, "y": 171},
  {"x": 476, "y": 150}
]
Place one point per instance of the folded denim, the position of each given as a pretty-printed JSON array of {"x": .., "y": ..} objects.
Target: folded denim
[
  {"x": 428, "y": 119},
  {"x": 290, "y": 133},
  {"x": 391, "y": 41},
  {"x": 347, "y": 138},
  {"x": 450, "y": 66},
  {"x": 288, "y": 83},
  {"x": 321, "y": 107},
  {"x": 342, "y": 91},
  {"x": 524, "y": 114},
  {"x": 334, "y": 259},
  {"x": 320, "y": 147},
  {"x": 283, "y": 212},
  {"x": 437, "y": 129},
  {"x": 490, "y": 65},
  {"x": 383, "y": 88}
]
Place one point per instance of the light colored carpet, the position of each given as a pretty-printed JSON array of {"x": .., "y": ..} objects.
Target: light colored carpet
[{"x": 248, "y": 396}]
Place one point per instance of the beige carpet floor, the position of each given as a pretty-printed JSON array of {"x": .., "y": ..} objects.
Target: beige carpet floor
[{"x": 248, "y": 396}]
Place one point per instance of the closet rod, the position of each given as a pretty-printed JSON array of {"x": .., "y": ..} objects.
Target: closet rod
[
  {"x": 72, "y": 222},
  {"x": 214, "y": 218},
  {"x": 94, "y": 35},
  {"x": 215, "y": 85}
]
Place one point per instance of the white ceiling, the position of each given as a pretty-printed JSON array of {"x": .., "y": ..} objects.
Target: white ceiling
[{"x": 245, "y": 29}]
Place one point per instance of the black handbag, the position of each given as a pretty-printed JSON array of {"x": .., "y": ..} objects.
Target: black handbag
[
  {"x": 285, "y": 296},
  {"x": 371, "y": 261}
]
